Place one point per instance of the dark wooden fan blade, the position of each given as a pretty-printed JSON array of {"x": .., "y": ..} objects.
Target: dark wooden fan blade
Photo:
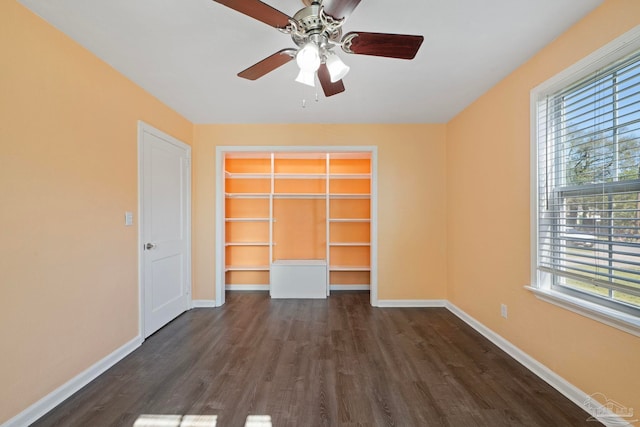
[
  {"x": 340, "y": 9},
  {"x": 401, "y": 46},
  {"x": 329, "y": 88},
  {"x": 268, "y": 64},
  {"x": 258, "y": 10}
]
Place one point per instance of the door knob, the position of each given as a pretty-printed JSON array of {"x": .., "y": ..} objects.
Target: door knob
[{"x": 149, "y": 246}]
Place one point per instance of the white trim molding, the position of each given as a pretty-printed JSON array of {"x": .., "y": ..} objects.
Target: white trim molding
[
  {"x": 223, "y": 150},
  {"x": 542, "y": 282},
  {"x": 571, "y": 392},
  {"x": 203, "y": 303},
  {"x": 618, "y": 48},
  {"x": 246, "y": 288},
  {"x": 373, "y": 274},
  {"x": 409, "y": 303},
  {"x": 57, "y": 396},
  {"x": 608, "y": 316},
  {"x": 339, "y": 288}
]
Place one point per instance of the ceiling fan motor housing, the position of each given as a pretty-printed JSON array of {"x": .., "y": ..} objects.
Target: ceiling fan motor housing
[{"x": 311, "y": 26}]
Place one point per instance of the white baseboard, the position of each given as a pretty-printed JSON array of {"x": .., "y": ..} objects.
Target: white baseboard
[
  {"x": 247, "y": 288},
  {"x": 53, "y": 399},
  {"x": 266, "y": 288},
  {"x": 406, "y": 303},
  {"x": 203, "y": 303},
  {"x": 350, "y": 287},
  {"x": 570, "y": 391}
]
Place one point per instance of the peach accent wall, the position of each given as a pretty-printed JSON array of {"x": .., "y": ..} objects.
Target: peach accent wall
[
  {"x": 488, "y": 165},
  {"x": 68, "y": 173},
  {"x": 411, "y": 198}
]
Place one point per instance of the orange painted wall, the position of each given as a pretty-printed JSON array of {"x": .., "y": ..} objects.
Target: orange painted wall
[
  {"x": 68, "y": 172},
  {"x": 411, "y": 198},
  {"x": 488, "y": 242}
]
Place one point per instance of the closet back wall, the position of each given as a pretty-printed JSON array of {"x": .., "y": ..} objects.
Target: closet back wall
[{"x": 411, "y": 198}]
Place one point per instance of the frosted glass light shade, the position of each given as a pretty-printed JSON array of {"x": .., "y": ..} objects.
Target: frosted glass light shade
[
  {"x": 307, "y": 77},
  {"x": 337, "y": 68},
  {"x": 308, "y": 58}
]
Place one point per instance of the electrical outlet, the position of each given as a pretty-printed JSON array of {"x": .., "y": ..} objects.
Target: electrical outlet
[{"x": 503, "y": 310}]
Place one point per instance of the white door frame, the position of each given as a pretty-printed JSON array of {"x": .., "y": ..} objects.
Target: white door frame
[
  {"x": 219, "y": 216},
  {"x": 142, "y": 129}
]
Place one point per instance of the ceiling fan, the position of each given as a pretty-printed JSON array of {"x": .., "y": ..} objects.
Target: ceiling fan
[{"x": 316, "y": 29}]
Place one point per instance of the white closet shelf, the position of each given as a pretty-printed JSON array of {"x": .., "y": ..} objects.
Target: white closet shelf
[
  {"x": 246, "y": 219},
  {"x": 349, "y": 220},
  {"x": 349, "y": 176},
  {"x": 349, "y": 268},
  {"x": 300, "y": 175},
  {"x": 350, "y": 244},
  {"x": 350, "y": 196},
  {"x": 299, "y": 195},
  {"x": 247, "y": 195},
  {"x": 247, "y": 244},
  {"x": 241, "y": 175},
  {"x": 247, "y": 268}
]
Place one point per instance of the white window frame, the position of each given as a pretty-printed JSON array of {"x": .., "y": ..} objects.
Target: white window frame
[{"x": 619, "y": 48}]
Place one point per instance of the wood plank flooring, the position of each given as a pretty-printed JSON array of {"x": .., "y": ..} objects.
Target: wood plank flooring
[{"x": 334, "y": 362}]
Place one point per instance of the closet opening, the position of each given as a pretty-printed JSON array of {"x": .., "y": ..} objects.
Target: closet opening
[{"x": 297, "y": 222}]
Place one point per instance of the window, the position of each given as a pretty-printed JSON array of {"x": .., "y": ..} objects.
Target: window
[{"x": 587, "y": 233}]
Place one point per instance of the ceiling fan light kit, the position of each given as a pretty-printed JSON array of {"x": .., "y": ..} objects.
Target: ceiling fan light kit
[
  {"x": 337, "y": 68},
  {"x": 307, "y": 78},
  {"x": 316, "y": 29},
  {"x": 308, "y": 57}
]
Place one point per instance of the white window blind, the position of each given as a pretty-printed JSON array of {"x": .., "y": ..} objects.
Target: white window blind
[{"x": 589, "y": 186}]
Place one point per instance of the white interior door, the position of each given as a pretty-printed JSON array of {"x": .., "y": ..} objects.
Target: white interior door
[{"x": 165, "y": 213}]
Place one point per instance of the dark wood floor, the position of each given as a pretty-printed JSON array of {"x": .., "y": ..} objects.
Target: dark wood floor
[{"x": 334, "y": 362}]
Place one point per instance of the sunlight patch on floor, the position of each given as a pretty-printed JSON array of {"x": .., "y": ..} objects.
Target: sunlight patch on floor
[
  {"x": 152, "y": 420},
  {"x": 258, "y": 421}
]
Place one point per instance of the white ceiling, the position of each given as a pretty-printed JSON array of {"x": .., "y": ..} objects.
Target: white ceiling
[{"x": 187, "y": 53}]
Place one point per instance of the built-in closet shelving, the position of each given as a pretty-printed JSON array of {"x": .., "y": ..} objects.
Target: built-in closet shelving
[
  {"x": 349, "y": 218},
  {"x": 307, "y": 206},
  {"x": 247, "y": 219}
]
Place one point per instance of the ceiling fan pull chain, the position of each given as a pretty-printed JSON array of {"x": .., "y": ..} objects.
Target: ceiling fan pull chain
[{"x": 304, "y": 103}]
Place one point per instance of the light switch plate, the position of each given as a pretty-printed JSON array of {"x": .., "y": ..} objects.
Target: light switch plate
[{"x": 128, "y": 218}]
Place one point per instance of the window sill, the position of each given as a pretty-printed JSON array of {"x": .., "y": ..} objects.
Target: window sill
[{"x": 624, "y": 322}]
